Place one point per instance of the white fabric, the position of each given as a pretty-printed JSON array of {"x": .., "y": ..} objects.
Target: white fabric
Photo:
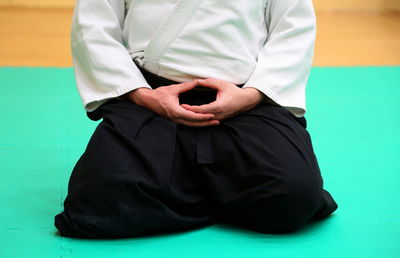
[{"x": 265, "y": 44}]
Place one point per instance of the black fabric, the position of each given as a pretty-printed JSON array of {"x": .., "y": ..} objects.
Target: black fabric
[{"x": 143, "y": 174}]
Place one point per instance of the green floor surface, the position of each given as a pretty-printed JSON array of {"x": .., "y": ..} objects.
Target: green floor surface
[{"x": 354, "y": 122}]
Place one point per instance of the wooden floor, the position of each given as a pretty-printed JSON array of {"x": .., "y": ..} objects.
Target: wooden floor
[{"x": 40, "y": 37}]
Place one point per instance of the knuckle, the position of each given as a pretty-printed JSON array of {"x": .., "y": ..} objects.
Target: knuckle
[
  {"x": 174, "y": 115},
  {"x": 170, "y": 114},
  {"x": 166, "y": 89},
  {"x": 187, "y": 123},
  {"x": 161, "y": 88},
  {"x": 215, "y": 81}
]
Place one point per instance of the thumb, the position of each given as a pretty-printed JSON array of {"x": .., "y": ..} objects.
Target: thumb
[{"x": 182, "y": 87}]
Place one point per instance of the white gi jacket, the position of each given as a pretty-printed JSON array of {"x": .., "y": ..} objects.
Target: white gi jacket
[{"x": 265, "y": 44}]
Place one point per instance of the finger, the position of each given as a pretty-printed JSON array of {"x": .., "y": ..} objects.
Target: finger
[
  {"x": 198, "y": 123},
  {"x": 189, "y": 115},
  {"x": 211, "y": 83},
  {"x": 219, "y": 114},
  {"x": 212, "y": 107},
  {"x": 185, "y": 86}
]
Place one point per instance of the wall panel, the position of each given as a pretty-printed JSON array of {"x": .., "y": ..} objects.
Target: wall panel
[
  {"x": 320, "y": 5},
  {"x": 38, "y": 3},
  {"x": 357, "y": 5}
]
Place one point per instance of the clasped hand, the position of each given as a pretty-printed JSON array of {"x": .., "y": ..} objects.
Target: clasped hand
[{"x": 230, "y": 101}]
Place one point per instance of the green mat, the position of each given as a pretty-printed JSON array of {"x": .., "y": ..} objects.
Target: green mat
[{"x": 354, "y": 121}]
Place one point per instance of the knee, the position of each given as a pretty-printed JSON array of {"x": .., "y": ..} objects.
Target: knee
[
  {"x": 286, "y": 209},
  {"x": 84, "y": 226},
  {"x": 68, "y": 228},
  {"x": 280, "y": 218}
]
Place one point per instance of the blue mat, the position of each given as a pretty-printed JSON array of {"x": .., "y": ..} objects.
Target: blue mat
[{"x": 354, "y": 121}]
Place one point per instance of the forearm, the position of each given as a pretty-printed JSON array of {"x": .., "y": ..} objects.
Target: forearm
[
  {"x": 138, "y": 96},
  {"x": 254, "y": 95}
]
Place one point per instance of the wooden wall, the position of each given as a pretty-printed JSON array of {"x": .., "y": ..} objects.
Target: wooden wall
[
  {"x": 357, "y": 5},
  {"x": 38, "y": 3},
  {"x": 320, "y": 5}
]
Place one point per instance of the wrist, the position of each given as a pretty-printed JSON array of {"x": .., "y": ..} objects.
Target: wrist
[
  {"x": 254, "y": 95},
  {"x": 137, "y": 95}
]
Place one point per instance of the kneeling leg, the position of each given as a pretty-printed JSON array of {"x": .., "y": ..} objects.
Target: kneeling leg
[
  {"x": 132, "y": 180},
  {"x": 265, "y": 175}
]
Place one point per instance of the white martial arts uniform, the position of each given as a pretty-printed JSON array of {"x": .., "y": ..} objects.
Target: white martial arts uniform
[{"x": 265, "y": 44}]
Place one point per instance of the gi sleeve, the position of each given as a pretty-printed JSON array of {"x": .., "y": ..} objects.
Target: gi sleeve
[
  {"x": 284, "y": 62},
  {"x": 102, "y": 65}
]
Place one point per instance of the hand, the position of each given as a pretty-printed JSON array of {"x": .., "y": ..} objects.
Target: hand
[
  {"x": 231, "y": 99},
  {"x": 164, "y": 101}
]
